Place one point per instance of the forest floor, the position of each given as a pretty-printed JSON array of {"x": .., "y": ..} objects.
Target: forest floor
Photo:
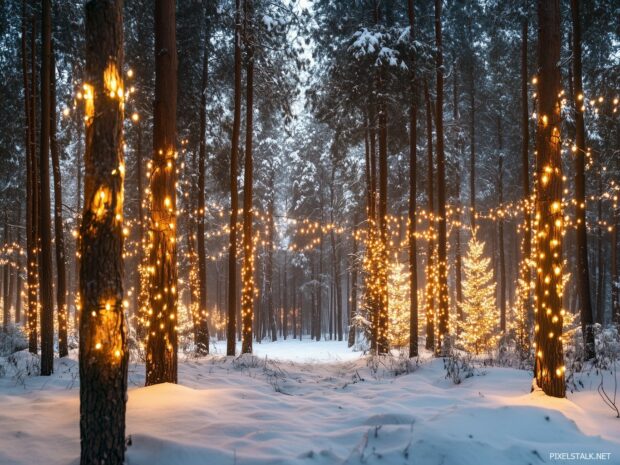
[{"x": 305, "y": 402}]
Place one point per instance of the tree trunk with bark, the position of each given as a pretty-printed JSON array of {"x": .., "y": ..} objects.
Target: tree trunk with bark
[
  {"x": 525, "y": 273},
  {"x": 201, "y": 328},
  {"x": 442, "y": 268},
  {"x": 600, "y": 260},
  {"x": 6, "y": 271},
  {"x": 247, "y": 270},
  {"x": 271, "y": 324},
  {"x": 430, "y": 256},
  {"x": 234, "y": 195},
  {"x": 32, "y": 196},
  {"x": 45, "y": 227},
  {"x": 458, "y": 262},
  {"x": 549, "y": 366},
  {"x": 500, "y": 228},
  {"x": 353, "y": 306},
  {"x": 18, "y": 271},
  {"x": 579, "y": 151},
  {"x": 161, "y": 347},
  {"x": 413, "y": 161},
  {"x": 29, "y": 167},
  {"x": 59, "y": 234},
  {"x": 471, "y": 78},
  {"x": 103, "y": 329}
]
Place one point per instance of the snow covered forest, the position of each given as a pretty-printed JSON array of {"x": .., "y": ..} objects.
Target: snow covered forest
[{"x": 309, "y": 231}]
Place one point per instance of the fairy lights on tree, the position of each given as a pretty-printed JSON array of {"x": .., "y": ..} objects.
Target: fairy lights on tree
[
  {"x": 103, "y": 331},
  {"x": 398, "y": 295},
  {"x": 161, "y": 356},
  {"x": 548, "y": 220},
  {"x": 479, "y": 326}
]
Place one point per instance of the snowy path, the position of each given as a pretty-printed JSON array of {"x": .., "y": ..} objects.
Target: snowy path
[{"x": 319, "y": 403}]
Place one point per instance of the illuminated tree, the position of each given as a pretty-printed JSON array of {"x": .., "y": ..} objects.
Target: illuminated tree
[
  {"x": 413, "y": 265},
  {"x": 161, "y": 356},
  {"x": 103, "y": 332},
  {"x": 201, "y": 329},
  {"x": 479, "y": 326},
  {"x": 399, "y": 311},
  {"x": 231, "y": 326},
  {"x": 430, "y": 291},
  {"x": 247, "y": 270},
  {"x": 28, "y": 72},
  {"x": 382, "y": 323},
  {"x": 5, "y": 272},
  {"x": 442, "y": 239},
  {"x": 520, "y": 321},
  {"x": 549, "y": 366},
  {"x": 45, "y": 227}
]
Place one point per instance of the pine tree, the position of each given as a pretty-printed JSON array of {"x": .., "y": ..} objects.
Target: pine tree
[
  {"x": 479, "y": 328},
  {"x": 398, "y": 296}
]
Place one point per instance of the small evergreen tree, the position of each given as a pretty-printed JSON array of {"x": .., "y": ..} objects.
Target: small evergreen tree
[
  {"x": 398, "y": 297},
  {"x": 479, "y": 328}
]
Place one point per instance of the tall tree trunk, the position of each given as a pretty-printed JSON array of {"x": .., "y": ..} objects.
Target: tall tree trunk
[
  {"x": 600, "y": 260},
  {"x": 45, "y": 226},
  {"x": 337, "y": 288},
  {"x": 270, "y": 265},
  {"x": 28, "y": 156},
  {"x": 353, "y": 306},
  {"x": 472, "y": 129},
  {"x": 141, "y": 275},
  {"x": 524, "y": 271},
  {"x": 549, "y": 360},
  {"x": 78, "y": 209},
  {"x": 443, "y": 298},
  {"x": 413, "y": 161},
  {"x": 295, "y": 313},
  {"x": 379, "y": 271},
  {"x": 234, "y": 195},
  {"x": 383, "y": 318},
  {"x": 371, "y": 249},
  {"x": 247, "y": 270},
  {"x": 6, "y": 271},
  {"x": 500, "y": 228},
  {"x": 202, "y": 328},
  {"x": 319, "y": 313},
  {"x": 583, "y": 271},
  {"x": 32, "y": 223},
  {"x": 103, "y": 330},
  {"x": 285, "y": 308},
  {"x": 161, "y": 352},
  {"x": 28, "y": 138},
  {"x": 18, "y": 271},
  {"x": 615, "y": 278},
  {"x": 61, "y": 273},
  {"x": 430, "y": 258},
  {"x": 12, "y": 270},
  {"x": 458, "y": 263}
]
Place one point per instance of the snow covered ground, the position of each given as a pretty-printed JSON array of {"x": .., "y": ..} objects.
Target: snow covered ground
[{"x": 315, "y": 403}]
